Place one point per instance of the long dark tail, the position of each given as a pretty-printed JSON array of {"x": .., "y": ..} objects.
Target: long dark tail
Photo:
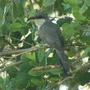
[{"x": 63, "y": 61}]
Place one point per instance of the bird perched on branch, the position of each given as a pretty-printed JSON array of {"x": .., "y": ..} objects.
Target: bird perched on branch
[{"x": 49, "y": 33}]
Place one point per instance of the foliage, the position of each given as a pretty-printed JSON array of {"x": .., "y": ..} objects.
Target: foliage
[{"x": 38, "y": 70}]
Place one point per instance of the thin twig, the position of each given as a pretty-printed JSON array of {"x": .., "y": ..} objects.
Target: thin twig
[{"x": 3, "y": 53}]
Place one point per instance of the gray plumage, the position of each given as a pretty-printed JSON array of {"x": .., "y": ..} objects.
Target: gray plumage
[{"x": 49, "y": 33}]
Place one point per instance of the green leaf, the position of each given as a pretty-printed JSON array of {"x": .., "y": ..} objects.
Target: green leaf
[
  {"x": 36, "y": 72},
  {"x": 54, "y": 71},
  {"x": 86, "y": 51},
  {"x": 18, "y": 9},
  {"x": 2, "y": 3},
  {"x": 87, "y": 2},
  {"x": 72, "y": 2},
  {"x": 83, "y": 76},
  {"x": 86, "y": 37},
  {"x": 21, "y": 80},
  {"x": 29, "y": 56},
  {"x": 77, "y": 14},
  {"x": 87, "y": 14},
  {"x": 1, "y": 17},
  {"x": 47, "y": 3},
  {"x": 83, "y": 8},
  {"x": 16, "y": 26},
  {"x": 37, "y": 81},
  {"x": 69, "y": 29},
  {"x": 1, "y": 84},
  {"x": 41, "y": 55}
]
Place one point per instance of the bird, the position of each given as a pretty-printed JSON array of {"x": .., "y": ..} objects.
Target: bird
[{"x": 49, "y": 33}]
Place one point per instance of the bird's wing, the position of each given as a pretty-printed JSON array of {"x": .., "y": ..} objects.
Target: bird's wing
[{"x": 50, "y": 34}]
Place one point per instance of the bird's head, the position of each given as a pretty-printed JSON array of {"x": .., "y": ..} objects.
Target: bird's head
[{"x": 39, "y": 18}]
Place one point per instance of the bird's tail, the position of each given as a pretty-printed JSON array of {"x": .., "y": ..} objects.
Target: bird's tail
[{"x": 63, "y": 61}]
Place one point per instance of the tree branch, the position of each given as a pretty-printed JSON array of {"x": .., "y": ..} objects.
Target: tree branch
[{"x": 3, "y": 53}]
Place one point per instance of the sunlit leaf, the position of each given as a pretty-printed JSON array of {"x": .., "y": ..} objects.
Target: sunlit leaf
[{"x": 16, "y": 26}]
